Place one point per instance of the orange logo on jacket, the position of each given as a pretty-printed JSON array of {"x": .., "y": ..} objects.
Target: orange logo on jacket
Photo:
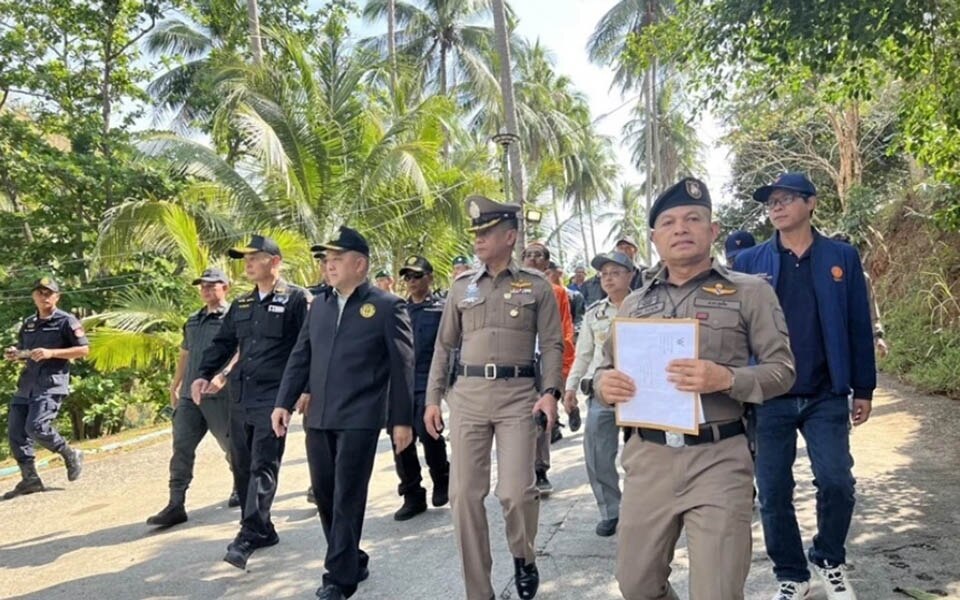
[{"x": 837, "y": 273}]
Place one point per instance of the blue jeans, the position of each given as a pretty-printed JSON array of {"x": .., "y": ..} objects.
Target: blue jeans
[{"x": 824, "y": 422}]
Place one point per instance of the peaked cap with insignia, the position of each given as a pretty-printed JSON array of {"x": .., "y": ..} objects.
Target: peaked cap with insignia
[{"x": 485, "y": 213}]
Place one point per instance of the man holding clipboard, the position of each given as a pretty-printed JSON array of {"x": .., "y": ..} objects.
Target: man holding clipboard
[{"x": 702, "y": 482}]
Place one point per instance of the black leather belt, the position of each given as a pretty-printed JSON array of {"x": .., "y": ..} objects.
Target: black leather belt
[
  {"x": 708, "y": 434},
  {"x": 492, "y": 371}
]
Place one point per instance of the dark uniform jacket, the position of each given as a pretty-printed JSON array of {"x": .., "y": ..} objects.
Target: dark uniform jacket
[
  {"x": 357, "y": 371},
  {"x": 425, "y": 322},
  {"x": 60, "y": 330},
  {"x": 198, "y": 333},
  {"x": 265, "y": 332}
]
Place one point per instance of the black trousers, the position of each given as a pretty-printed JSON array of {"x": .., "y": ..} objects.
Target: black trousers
[
  {"x": 255, "y": 454},
  {"x": 341, "y": 463},
  {"x": 434, "y": 451},
  {"x": 34, "y": 421}
]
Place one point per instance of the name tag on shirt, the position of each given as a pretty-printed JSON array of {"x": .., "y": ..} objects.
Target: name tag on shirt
[{"x": 276, "y": 309}]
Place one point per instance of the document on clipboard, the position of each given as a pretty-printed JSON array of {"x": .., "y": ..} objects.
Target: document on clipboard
[{"x": 642, "y": 348}]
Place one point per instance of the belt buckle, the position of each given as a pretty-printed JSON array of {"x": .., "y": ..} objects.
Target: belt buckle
[
  {"x": 490, "y": 371},
  {"x": 674, "y": 440}
]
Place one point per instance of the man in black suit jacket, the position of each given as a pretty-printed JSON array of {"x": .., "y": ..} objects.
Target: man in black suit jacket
[{"x": 356, "y": 352}]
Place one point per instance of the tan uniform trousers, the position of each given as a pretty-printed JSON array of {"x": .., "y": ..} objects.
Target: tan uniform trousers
[
  {"x": 481, "y": 411},
  {"x": 707, "y": 489}
]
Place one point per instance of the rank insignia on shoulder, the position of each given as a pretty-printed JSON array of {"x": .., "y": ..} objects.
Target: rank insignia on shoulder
[
  {"x": 368, "y": 310},
  {"x": 719, "y": 290}
]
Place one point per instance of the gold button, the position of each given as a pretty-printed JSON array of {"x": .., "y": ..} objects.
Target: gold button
[{"x": 514, "y": 313}]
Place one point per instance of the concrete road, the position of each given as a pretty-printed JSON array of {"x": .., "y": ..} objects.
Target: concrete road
[{"x": 88, "y": 540}]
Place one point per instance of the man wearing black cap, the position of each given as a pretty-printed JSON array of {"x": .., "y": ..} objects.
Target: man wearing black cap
[
  {"x": 48, "y": 340},
  {"x": 737, "y": 242},
  {"x": 261, "y": 327},
  {"x": 702, "y": 483},
  {"x": 821, "y": 286},
  {"x": 496, "y": 315},
  {"x": 384, "y": 281},
  {"x": 190, "y": 421},
  {"x": 356, "y": 354},
  {"x": 424, "y": 309}
]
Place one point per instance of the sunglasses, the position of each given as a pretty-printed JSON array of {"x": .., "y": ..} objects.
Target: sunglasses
[
  {"x": 533, "y": 254},
  {"x": 409, "y": 276}
]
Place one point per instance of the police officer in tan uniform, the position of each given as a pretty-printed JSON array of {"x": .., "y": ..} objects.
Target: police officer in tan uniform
[
  {"x": 494, "y": 315},
  {"x": 699, "y": 482}
]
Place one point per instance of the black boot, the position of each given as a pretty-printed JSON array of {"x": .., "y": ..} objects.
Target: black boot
[
  {"x": 441, "y": 491},
  {"x": 527, "y": 578},
  {"x": 239, "y": 551},
  {"x": 234, "y": 500},
  {"x": 73, "y": 459},
  {"x": 29, "y": 481},
  {"x": 173, "y": 513},
  {"x": 414, "y": 503}
]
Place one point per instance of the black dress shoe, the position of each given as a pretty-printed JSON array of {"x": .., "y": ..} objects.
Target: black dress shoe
[
  {"x": 527, "y": 578},
  {"x": 239, "y": 552},
  {"x": 172, "y": 514},
  {"x": 607, "y": 527},
  {"x": 413, "y": 505},
  {"x": 330, "y": 592},
  {"x": 234, "y": 500}
]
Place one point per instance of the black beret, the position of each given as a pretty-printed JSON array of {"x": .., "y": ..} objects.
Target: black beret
[{"x": 686, "y": 192}]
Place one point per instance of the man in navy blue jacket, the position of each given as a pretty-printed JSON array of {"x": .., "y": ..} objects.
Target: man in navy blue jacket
[
  {"x": 356, "y": 352},
  {"x": 821, "y": 288}
]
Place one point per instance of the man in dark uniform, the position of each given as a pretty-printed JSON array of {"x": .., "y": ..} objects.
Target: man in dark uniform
[
  {"x": 263, "y": 326},
  {"x": 190, "y": 421},
  {"x": 425, "y": 310},
  {"x": 47, "y": 342},
  {"x": 356, "y": 354}
]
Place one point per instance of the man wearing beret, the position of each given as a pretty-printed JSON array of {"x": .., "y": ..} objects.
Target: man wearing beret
[
  {"x": 191, "y": 421},
  {"x": 260, "y": 326},
  {"x": 424, "y": 309},
  {"x": 496, "y": 315},
  {"x": 701, "y": 483},
  {"x": 48, "y": 340},
  {"x": 821, "y": 286},
  {"x": 356, "y": 354}
]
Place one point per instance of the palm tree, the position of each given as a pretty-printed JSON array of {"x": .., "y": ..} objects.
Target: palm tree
[
  {"x": 592, "y": 173},
  {"x": 627, "y": 216},
  {"x": 440, "y": 37},
  {"x": 608, "y": 42}
]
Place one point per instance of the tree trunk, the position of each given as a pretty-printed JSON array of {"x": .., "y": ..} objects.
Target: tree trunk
[
  {"x": 583, "y": 228},
  {"x": 253, "y": 24},
  {"x": 593, "y": 235},
  {"x": 509, "y": 108},
  {"x": 18, "y": 208},
  {"x": 846, "y": 131},
  {"x": 556, "y": 219},
  {"x": 392, "y": 45},
  {"x": 649, "y": 162}
]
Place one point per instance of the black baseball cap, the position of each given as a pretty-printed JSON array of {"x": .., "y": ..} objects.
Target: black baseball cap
[
  {"x": 212, "y": 275},
  {"x": 617, "y": 258},
  {"x": 47, "y": 283},
  {"x": 258, "y": 243},
  {"x": 737, "y": 242},
  {"x": 347, "y": 240},
  {"x": 416, "y": 264},
  {"x": 794, "y": 182}
]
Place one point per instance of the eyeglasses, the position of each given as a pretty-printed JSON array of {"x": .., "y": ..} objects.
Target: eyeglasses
[
  {"x": 782, "y": 200},
  {"x": 533, "y": 254},
  {"x": 408, "y": 276}
]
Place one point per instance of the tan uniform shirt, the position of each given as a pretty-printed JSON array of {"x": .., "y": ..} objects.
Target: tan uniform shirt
[
  {"x": 740, "y": 317},
  {"x": 497, "y": 321},
  {"x": 593, "y": 333}
]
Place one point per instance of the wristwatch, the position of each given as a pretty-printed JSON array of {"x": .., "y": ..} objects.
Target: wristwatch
[{"x": 553, "y": 392}]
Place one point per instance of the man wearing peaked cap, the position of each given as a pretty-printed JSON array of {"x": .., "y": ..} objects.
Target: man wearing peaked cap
[
  {"x": 191, "y": 421},
  {"x": 425, "y": 309},
  {"x": 495, "y": 316},
  {"x": 260, "y": 327},
  {"x": 46, "y": 343},
  {"x": 820, "y": 283},
  {"x": 355, "y": 354},
  {"x": 701, "y": 482}
]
